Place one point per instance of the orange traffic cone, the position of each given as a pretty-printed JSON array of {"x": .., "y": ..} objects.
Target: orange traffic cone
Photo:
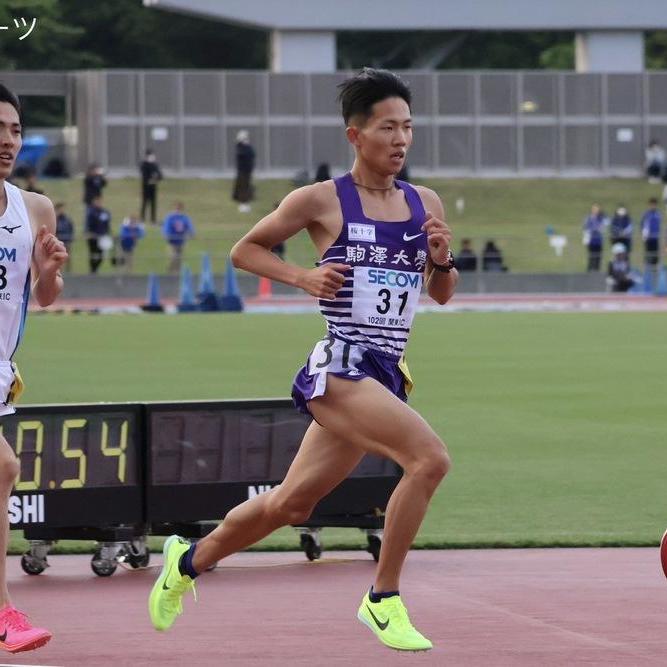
[{"x": 264, "y": 288}]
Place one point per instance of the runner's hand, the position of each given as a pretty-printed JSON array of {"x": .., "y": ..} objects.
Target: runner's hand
[
  {"x": 439, "y": 237},
  {"x": 324, "y": 281},
  {"x": 49, "y": 253}
]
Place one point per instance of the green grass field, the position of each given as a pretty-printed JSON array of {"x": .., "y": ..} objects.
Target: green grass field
[
  {"x": 514, "y": 212},
  {"x": 555, "y": 422}
]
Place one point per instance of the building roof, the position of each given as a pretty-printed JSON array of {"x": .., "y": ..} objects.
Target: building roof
[{"x": 334, "y": 15}]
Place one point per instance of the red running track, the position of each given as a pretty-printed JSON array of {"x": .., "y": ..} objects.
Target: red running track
[
  {"x": 460, "y": 302},
  {"x": 480, "y": 607}
]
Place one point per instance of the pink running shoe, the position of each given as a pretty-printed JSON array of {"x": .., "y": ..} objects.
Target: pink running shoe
[{"x": 16, "y": 633}]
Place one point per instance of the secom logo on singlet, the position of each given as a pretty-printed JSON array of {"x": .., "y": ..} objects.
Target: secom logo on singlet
[
  {"x": 393, "y": 278},
  {"x": 7, "y": 254}
]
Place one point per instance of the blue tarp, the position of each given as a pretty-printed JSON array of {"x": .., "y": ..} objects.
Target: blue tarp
[{"x": 34, "y": 148}]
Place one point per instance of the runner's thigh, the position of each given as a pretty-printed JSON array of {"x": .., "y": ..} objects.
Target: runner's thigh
[
  {"x": 323, "y": 461},
  {"x": 375, "y": 420}
]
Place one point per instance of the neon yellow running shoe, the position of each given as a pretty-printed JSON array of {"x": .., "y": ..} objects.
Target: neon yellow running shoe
[
  {"x": 164, "y": 603},
  {"x": 389, "y": 620}
]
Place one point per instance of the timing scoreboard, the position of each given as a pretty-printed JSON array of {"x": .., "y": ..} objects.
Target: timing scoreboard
[
  {"x": 206, "y": 458},
  {"x": 80, "y": 465},
  {"x": 145, "y": 464}
]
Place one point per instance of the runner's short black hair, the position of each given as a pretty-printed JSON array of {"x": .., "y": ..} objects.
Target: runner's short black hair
[
  {"x": 6, "y": 95},
  {"x": 359, "y": 93}
]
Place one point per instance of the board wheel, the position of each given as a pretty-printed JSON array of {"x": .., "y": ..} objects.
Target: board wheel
[
  {"x": 139, "y": 560},
  {"x": 102, "y": 567},
  {"x": 310, "y": 547},
  {"x": 32, "y": 565},
  {"x": 374, "y": 547}
]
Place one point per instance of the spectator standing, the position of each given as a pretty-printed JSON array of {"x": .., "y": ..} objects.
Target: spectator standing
[
  {"x": 31, "y": 183},
  {"x": 98, "y": 229},
  {"x": 620, "y": 229},
  {"x": 618, "y": 270},
  {"x": 64, "y": 231},
  {"x": 131, "y": 231},
  {"x": 650, "y": 225},
  {"x": 466, "y": 260},
  {"x": 492, "y": 258},
  {"x": 93, "y": 184},
  {"x": 151, "y": 175},
  {"x": 593, "y": 238},
  {"x": 177, "y": 229},
  {"x": 245, "y": 164},
  {"x": 322, "y": 173},
  {"x": 655, "y": 161}
]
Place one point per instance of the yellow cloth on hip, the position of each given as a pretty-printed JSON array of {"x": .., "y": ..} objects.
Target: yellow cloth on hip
[
  {"x": 403, "y": 367},
  {"x": 17, "y": 386}
]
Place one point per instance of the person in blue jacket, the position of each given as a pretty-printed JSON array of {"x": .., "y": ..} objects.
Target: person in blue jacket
[
  {"x": 594, "y": 225},
  {"x": 650, "y": 225},
  {"x": 98, "y": 230},
  {"x": 131, "y": 230},
  {"x": 177, "y": 228}
]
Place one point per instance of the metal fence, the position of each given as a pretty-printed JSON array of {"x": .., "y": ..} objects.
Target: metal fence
[
  {"x": 523, "y": 123},
  {"x": 484, "y": 123}
]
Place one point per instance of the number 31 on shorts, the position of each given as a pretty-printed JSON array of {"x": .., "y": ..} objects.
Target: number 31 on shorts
[{"x": 332, "y": 355}]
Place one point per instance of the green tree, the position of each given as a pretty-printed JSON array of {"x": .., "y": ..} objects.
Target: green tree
[
  {"x": 125, "y": 34},
  {"x": 82, "y": 34},
  {"x": 50, "y": 45},
  {"x": 558, "y": 56},
  {"x": 452, "y": 50},
  {"x": 656, "y": 49}
]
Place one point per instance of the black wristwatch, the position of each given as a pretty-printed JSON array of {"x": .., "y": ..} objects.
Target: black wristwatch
[{"x": 448, "y": 266}]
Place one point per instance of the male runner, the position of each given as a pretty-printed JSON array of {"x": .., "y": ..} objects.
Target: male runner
[
  {"x": 28, "y": 249},
  {"x": 378, "y": 239}
]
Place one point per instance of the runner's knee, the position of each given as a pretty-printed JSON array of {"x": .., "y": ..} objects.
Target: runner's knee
[
  {"x": 431, "y": 465},
  {"x": 289, "y": 510},
  {"x": 9, "y": 468},
  {"x": 437, "y": 465}
]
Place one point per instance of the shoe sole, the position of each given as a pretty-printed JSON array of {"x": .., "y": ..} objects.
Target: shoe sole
[
  {"x": 387, "y": 643},
  {"x": 30, "y": 646},
  {"x": 158, "y": 583}
]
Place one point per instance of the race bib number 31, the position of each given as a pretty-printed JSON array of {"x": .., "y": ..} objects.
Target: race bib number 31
[{"x": 385, "y": 297}]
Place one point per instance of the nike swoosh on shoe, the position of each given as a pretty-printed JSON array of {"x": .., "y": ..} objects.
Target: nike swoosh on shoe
[
  {"x": 164, "y": 583},
  {"x": 379, "y": 623}
]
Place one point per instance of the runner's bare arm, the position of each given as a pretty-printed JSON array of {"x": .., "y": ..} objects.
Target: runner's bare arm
[
  {"x": 440, "y": 286},
  {"x": 49, "y": 254},
  {"x": 296, "y": 212}
]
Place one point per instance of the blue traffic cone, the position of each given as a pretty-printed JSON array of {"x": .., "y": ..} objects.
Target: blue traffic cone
[
  {"x": 231, "y": 299},
  {"x": 208, "y": 299},
  {"x": 661, "y": 287},
  {"x": 648, "y": 280},
  {"x": 153, "y": 304},
  {"x": 187, "y": 302},
  {"x": 206, "y": 284},
  {"x": 637, "y": 286}
]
